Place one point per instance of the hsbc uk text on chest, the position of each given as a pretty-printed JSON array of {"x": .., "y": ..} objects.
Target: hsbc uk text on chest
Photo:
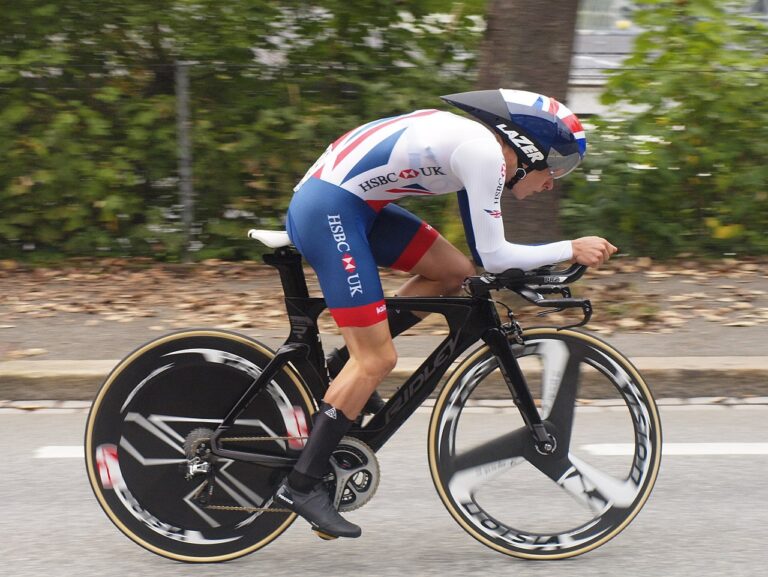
[{"x": 405, "y": 174}]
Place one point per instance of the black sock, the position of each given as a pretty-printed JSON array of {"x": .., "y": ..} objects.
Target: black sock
[
  {"x": 302, "y": 482},
  {"x": 330, "y": 425}
]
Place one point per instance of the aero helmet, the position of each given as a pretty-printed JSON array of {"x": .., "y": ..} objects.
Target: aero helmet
[{"x": 542, "y": 132}]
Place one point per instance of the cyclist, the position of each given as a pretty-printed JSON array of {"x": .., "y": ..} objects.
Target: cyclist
[{"x": 343, "y": 220}]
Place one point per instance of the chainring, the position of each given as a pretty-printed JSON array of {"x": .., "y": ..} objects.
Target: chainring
[
  {"x": 352, "y": 482},
  {"x": 355, "y": 476}
]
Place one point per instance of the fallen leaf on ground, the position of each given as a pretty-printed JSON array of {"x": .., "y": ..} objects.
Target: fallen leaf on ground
[{"x": 24, "y": 353}]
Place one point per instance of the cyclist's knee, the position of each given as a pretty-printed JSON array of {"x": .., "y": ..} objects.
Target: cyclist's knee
[
  {"x": 379, "y": 362},
  {"x": 467, "y": 269},
  {"x": 454, "y": 276},
  {"x": 371, "y": 349},
  {"x": 385, "y": 360}
]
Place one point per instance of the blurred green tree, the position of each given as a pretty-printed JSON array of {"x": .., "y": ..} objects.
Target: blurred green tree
[
  {"x": 684, "y": 170},
  {"x": 520, "y": 60},
  {"x": 87, "y": 109}
]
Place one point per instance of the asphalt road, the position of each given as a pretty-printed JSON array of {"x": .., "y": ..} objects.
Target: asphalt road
[{"x": 707, "y": 515}]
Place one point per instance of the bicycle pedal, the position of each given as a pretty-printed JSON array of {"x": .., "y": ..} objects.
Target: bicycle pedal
[{"x": 324, "y": 536}]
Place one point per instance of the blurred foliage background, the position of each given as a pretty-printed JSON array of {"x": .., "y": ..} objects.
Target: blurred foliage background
[
  {"x": 88, "y": 119},
  {"x": 685, "y": 168}
]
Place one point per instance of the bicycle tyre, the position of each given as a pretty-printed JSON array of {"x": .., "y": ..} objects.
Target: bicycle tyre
[
  {"x": 491, "y": 483},
  {"x": 134, "y": 444}
]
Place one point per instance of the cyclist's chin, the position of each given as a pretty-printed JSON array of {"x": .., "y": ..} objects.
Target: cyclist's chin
[{"x": 521, "y": 194}]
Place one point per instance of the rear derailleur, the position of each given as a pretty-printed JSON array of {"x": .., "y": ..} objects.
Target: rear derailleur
[{"x": 200, "y": 461}]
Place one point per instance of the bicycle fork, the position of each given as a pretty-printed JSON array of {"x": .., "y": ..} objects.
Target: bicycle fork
[{"x": 498, "y": 342}]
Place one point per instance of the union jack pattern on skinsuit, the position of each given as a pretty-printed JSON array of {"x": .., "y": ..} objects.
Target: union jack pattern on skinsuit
[
  {"x": 363, "y": 142},
  {"x": 405, "y": 155}
]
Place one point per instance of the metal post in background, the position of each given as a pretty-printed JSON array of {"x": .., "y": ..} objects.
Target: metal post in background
[{"x": 183, "y": 127}]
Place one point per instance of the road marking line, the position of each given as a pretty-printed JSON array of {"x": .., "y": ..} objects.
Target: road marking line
[
  {"x": 60, "y": 452},
  {"x": 620, "y": 449},
  {"x": 602, "y": 449}
]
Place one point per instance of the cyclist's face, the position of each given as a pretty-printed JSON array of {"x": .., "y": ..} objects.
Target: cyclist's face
[{"x": 534, "y": 182}]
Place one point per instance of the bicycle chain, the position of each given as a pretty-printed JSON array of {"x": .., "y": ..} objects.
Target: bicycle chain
[
  {"x": 251, "y": 509},
  {"x": 245, "y": 439},
  {"x": 247, "y": 509}
]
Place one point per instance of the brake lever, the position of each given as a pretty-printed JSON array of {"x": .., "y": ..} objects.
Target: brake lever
[
  {"x": 558, "y": 305},
  {"x": 586, "y": 309}
]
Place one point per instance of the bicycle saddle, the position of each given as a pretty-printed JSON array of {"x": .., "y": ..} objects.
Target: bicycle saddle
[{"x": 272, "y": 238}]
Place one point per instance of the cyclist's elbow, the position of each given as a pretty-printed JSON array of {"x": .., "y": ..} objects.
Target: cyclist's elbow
[{"x": 493, "y": 262}]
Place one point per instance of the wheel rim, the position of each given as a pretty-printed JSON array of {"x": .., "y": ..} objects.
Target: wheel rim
[{"x": 522, "y": 503}]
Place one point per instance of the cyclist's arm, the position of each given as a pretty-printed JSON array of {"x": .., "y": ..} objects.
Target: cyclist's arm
[{"x": 480, "y": 165}]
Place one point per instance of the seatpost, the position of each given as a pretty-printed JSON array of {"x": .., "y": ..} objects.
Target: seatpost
[
  {"x": 288, "y": 264},
  {"x": 302, "y": 310}
]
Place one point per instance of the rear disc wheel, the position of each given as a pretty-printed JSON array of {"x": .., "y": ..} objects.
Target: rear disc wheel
[{"x": 152, "y": 409}]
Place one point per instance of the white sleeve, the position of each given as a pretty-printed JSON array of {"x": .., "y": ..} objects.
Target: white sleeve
[{"x": 480, "y": 166}]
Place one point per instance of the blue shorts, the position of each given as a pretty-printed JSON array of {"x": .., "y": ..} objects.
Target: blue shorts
[{"x": 345, "y": 240}]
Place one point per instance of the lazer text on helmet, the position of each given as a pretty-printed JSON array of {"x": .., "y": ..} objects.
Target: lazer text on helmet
[{"x": 522, "y": 142}]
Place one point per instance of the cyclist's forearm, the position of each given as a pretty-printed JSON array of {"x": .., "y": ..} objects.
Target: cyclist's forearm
[{"x": 526, "y": 257}]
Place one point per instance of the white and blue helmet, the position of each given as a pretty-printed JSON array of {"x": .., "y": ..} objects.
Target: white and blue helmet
[{"x": 543, "y": 133}]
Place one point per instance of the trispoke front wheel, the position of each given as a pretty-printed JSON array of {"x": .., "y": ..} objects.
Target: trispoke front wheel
[{"x": 518, "y": 501}]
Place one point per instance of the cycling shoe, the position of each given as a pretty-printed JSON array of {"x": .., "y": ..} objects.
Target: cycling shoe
[{"x": 316, "y": 507}]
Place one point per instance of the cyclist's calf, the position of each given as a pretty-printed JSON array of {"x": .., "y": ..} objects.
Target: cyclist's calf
[{"x": 372, "y": 357}]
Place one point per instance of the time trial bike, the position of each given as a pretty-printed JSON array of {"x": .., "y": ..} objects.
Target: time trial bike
[{"x": 543, "y": 443}]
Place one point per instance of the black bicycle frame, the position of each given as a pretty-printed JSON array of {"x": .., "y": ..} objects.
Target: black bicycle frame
[{"x": 470, "y": 319}]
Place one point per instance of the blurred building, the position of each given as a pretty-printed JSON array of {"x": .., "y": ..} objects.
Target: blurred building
[{"x": 604, "y": 36}]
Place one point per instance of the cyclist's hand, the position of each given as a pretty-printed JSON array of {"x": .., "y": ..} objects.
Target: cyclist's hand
[{"x": 592, "y": 250}]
